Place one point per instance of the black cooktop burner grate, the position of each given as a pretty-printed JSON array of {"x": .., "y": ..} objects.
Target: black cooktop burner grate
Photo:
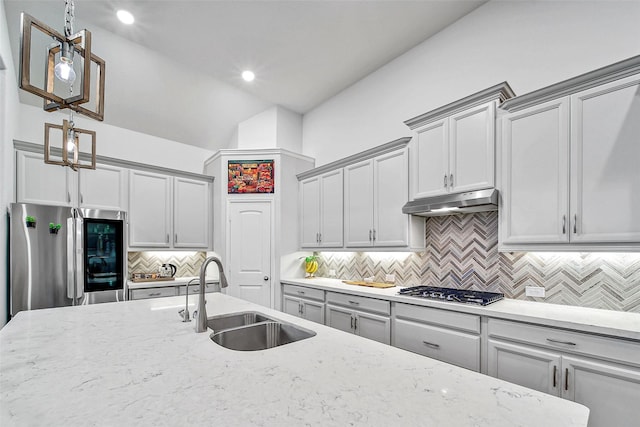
[{"x": 452, "y": 294}]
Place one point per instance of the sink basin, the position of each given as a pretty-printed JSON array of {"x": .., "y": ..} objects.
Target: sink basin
[
  {"x": 235, "y": 320},
  {"x": 260, "y": 336}
]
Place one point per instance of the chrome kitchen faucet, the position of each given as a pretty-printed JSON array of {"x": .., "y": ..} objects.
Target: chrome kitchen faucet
[{"x": 201, "y": 321}]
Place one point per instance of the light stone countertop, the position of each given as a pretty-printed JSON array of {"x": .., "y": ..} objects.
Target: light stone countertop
[
  {"x": 604, "y": 322},
  {"x": 136, "y": 363}
]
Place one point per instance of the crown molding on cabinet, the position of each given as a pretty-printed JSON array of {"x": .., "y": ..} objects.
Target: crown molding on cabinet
[
  {"x": 582, "y": 82},
  {"x": 254, "y": 151},
  {"x": 37, "y": 148},
  {"x": 501, "y": 92},
  {"x": 364, "y": 155}
]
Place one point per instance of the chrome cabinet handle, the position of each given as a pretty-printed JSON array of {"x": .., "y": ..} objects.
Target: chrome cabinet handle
[
  {"x": 81, "y": 198},
  {"x": 352, "y": 321},
  {"x": 354, "y": 302},
  {"x": 301, "y": 308},
  {"x": 564, "y": 224},
  {"x": 369, "y": 235},
  {"x": 301, "y": 292},
  {"x": 355, "y": 323},
  {"x": 430, "y": 344},
  {"x": 374, "y": 234},
  {"x": 555, "y": 376},
  {"x": 445, "y": 181},
  {"x": 575, "y": 223},
  {"x": 560, "y": 342},
  {"x": 154, "y": 294},
  {"x": 176, "y": 241},
  {"x": 451, "y": 180},
  {"x": 68, "y": 197},
  {"x": 566, "y": 379},
  {"x": 167, "y": 237},
  {"x": 319, "y": 237}
]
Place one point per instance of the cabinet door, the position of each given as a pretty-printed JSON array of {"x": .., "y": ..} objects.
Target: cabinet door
[
  {"x": 310, "y": 212},
  {"x": 373, "y": 326},
  {"x": 450, "y": 346},
  {"x": 430, "y": 169},
  {"x": 535, "y": 177},
  {"x": 291, "y": 305},
  {"x": 190, "y": 213},
  {"x": 312, "y": 310},
  {"x": 472, "y": 149},
  {"x": 339, "y": 318},
  {"x": 390, "y": 183},
  {"x": 103, "y": 188},
  {"x": 524, "y": 365},
  {"x": 358, "y": 212},
  {"x": 609, "y": 390},
  {"x": 149, "y": 209},
  {"x": 331, "y": 209},
  {"x": 605, "y": 151},
  {"x": 38, "y": 182}
]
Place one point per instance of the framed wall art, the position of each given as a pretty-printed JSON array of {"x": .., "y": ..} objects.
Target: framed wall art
[{"x": 250, "y": 176}]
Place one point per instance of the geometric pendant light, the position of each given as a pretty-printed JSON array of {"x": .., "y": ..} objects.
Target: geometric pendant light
[{"x": 68, "y": 60}]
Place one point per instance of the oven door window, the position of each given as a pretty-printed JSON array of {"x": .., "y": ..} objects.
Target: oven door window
[{"x": 103, "y": 255}]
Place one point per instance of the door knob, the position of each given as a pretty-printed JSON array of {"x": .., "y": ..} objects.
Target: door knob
[{"x": 265, "y": 278}]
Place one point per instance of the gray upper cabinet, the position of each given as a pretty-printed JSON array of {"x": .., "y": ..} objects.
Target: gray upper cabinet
[
  {"x": 453, "y": 147},
  {"x": 569, "y": 176}
]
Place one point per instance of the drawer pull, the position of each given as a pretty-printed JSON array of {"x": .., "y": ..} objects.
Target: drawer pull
[
  {"x": 354, "y": 302},
  {"x": 560, "y": 342},
  {"x": 155, "y": 294},
  {"x": 555, "y": 376},
  {"x": 301, "y": 292},
  {"x": 430, "y": 344}
]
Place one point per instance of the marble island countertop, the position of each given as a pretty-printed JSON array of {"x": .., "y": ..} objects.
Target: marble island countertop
[
  {"x": 605, "y": 322},
  {"x": 136, "y": 363}
]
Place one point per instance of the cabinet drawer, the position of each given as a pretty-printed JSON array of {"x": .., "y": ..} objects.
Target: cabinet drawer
[
  {"x": 458, "y": 348},
  {"x": 567, "y": 341},
  {"x": 446, "y": 318},
  {"x": 167, "y": 291},
  {"x": 195, "y": 289},
  {"x": 302, "y": 292},
  {"x": 359, "y": 303}
]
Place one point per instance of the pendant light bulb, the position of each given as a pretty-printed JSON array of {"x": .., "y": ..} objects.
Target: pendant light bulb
[
  {"x": 71, "y": 143},
  {"x": 64, "y": 68}
]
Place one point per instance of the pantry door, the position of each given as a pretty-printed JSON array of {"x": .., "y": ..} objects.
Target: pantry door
[{"x": 249, "y": 247}]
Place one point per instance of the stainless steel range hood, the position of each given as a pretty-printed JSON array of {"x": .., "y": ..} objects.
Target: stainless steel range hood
[{"x": 449, "y": 204}]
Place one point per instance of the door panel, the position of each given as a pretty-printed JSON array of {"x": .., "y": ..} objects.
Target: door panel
[
  {"x": 310, "y": 211},
  {"x": 372, "y": 326},
  {"x": 313, "y": 311},
  {"x": 390, "y": 183},
  {"x": 190, "y": 213},
  {"x": 249, "y": 249},
  {"x": 610, "y": 391},
  {"x": 340, "y": 318},
  {"x": 149, "y": 209},
  {"x": 331, "y": 209},
  {"x": 535, "y": 178},
  {"x": 605, "y": 184},
  {"x": 358, "y": 211},
  {"x": 525, "y": 366},
  {"x": 291, "y": 306},
  {"x": 432, "y": 153}
]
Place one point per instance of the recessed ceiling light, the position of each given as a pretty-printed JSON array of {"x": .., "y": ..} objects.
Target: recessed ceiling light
[
  {"x": 248, "y": 76},
  {"x": 125, "y": 17}
]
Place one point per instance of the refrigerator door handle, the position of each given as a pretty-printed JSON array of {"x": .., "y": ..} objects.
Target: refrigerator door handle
[
  {"x": 70, "y": 258},
  {"x": 79, "y": 259}
]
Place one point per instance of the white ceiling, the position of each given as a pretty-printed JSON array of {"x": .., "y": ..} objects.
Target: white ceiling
[{"x": 175, "y": 73}]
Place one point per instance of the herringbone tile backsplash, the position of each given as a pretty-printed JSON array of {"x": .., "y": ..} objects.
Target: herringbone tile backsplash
[
  {"x": 462, "y": 252},
  {"x": 187, "y": 263}
]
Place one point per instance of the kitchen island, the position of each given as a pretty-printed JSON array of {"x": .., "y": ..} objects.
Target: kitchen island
[{"x": 137, "y": 363}]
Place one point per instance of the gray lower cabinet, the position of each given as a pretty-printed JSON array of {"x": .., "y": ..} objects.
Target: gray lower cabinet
[
  {"x": 306, "y": 303},
  {"x": 602, "y": 373},
  {"x": 366, "y": 317},
  {"x": 168, "y": 291},
  {"x": 440, "y": 334}
]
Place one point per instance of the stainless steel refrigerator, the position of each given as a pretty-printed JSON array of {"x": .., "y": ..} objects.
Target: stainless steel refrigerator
[{"x": 62, "y": 256}]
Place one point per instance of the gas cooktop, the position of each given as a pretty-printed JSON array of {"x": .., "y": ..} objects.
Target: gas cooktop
[{"x": 451, "y": 294}]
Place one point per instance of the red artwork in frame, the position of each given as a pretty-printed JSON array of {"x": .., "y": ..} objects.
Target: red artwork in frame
[{"x": 250, "y": 176}]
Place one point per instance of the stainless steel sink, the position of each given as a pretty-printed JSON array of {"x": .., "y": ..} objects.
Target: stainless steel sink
[
  {"x": 235, "y": 320},
  {"x": 260, "y": 336}
]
